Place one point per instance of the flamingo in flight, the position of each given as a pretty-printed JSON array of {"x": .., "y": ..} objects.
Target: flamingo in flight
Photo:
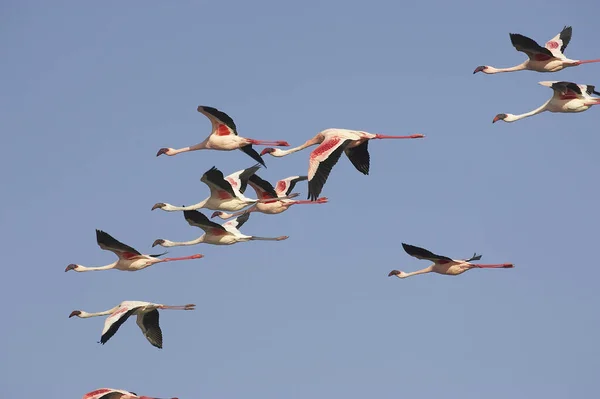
[
  {"x": 223, "y": 137},
  {"x": 216, "y": 234},
  {"x": 264, "y": 190},
  {"x": 111, "y": 393},
  {"x": 568, "y": 97},
  {"x": 332, "y": 142},
  {"x": 130, "y": 260},
  {"x": 549, "y": 58},
  {"x": 443, "y": 264},
  {"x": 147, "y": 319},
  {"x": 226, "y": 193}
]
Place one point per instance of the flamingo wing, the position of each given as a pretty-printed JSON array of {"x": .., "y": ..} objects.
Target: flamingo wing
[
  {"x": 239, "y": 179},
  {"x": 559, "y": 43},
  {"x": 198, "y": 219},
  {"x": 530, "y": 47},
  {"x": 263, "y": 188},
  {"x": 149, "y": 324},
  {"x": 222, "y": 124},
  {"x": 109, "y": 243},
  {"x": 285, "y": 186},
  {"x": 359, "y": 156},
  {"x": 321, "y": 161},
  {"x": 234, "y": 225},
  {"x": 112, "y": 395},
  {"x": 422, "y": 253},
  {"x": 566, "y": 90},
  {"x": 116, "y": 320},
  {"x": 249, "y": 150},
  {"x": 105, "y": 393},
  {"x": 219, "y": 187}
]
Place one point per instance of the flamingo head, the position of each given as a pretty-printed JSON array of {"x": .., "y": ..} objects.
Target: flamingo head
[
  {"x": 499, "y": 117},
  {"x": 72, "y": 266},
  {"x": 75, "y": 313},
  {"x": 160, "y": 241},
  {"x": 167, "y": 151},
  {"x": 268, "y": 150},
  {"x": 397, "y": 273},
  {"x": 159, "y": 205},
  {"x": 481, "y": 68}
]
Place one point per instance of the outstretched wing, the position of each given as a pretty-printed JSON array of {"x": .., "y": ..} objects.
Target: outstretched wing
[
  {"x": 106, "y": 393},
  {"x": 530, "y": 47},
  {"x": 285, "y": 186},
  {"x": 148, "y": 323},
  {"x": 219, "y": 187},
  {"x": 116, "y": 320},
  {"x": 253, "y": 154},
  {"x": 234, "y": 225},
  {"x": 198, "y": 219},
  {"x": 321, "y": 161},
  {"x": 109, "y": 243},
  {"x": 422, "y": 253},
  {"x": 565, "y": 90},
  {"x": 359, "y": 156},
  {"x": 222, "y": 124},
  {"x": 263, "y": 188},
  {"x": 239, "y": 179},
  {"x": 559, "y": 43}
]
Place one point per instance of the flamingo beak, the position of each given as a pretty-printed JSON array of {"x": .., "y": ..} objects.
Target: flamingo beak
[
  {"x": 162, "y": 151},
  {"x": 499, "y": 117},
  {"x": 160, "y": 241},
  {"x": 158, "y": 205},
  {"x": 267, "y": 151},
  {"x": 217, "y": 213},
  {"x": 72, "y": 266},
  {"x": 479, "y": 69},
  {"x": 393, "y": 273},
  {"x": 75, "y": 313}
]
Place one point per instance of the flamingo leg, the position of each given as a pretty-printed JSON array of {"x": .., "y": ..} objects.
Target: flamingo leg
[
  {"x": 266, "y": 142},
  {"x": 196, "y": 256},
  {"x": 412, "y": 136},
  {"x": 495, "y": 266},
  {"x": 588, "y": 61},
  {"x": 321, "y": 200},
  {"x": 189, "y": 306}
]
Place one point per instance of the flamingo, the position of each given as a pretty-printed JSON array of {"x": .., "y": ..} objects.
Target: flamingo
[
  {"x": 443, "y": 264},
  {"x": 264, "y": 190},
  {"x": 147, "y": 319},
  {"x": 226, "y": 193},
  {"x": 130, "y": 260},
  {"x": 216, "y": 234},
  {"x": 549, "y": 58},
  {"x": 568, "y": 97},
  {"x": 332, "y": 142},
  {"x": 223, "y": 137},
  {"x": 111, "y": 393}
]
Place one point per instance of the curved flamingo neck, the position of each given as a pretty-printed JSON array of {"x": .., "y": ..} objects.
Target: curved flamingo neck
[
  {"x": 428, "y": 269},
  {"x": 542, "y": 108}
]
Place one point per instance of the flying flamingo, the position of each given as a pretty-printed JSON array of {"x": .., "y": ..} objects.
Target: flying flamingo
[
  {"x": 216, "y": 234},
  {"x": 111, "y": 393},
  {"x": 443, "y": 264},
  {"x": 264, "y": 190},
  {"x": 130, "y": 260},
  {"x": 541, "y": 59},
  {"x": 226, "y": 193},
  {"x": 332, "y": 142},
  {"x": 223, "y": 137},
  {"x": 147, "y": 319},
  {"x": 568, "y": 97}
]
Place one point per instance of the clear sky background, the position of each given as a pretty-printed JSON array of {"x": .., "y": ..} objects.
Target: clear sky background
[{"x": 90, "y": 92}]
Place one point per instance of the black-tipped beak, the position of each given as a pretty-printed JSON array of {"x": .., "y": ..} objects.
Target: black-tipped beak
[
  {"x": 162, "y": 151},
  {"x": 72, "y": 266},
  {"x": 479, "y": 69},
  {"x": 75, "y": 313},
  {"x": 393, "y": 273},
  {"x": 158, "y": 205},
  {"x": 158, "y": 242},
  {"x": 217, "y": 213}
]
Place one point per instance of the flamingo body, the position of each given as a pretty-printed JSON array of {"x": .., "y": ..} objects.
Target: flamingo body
[
  {"x": 129, "y": 259},
  {"x": 147, "y": 319}
]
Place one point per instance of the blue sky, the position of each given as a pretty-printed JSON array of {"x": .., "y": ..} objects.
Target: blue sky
[{"x": 91, "y": 91}]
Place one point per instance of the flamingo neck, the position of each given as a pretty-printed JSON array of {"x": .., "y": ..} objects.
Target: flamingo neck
[
  {"x": 171, "y": 208},
  {"x": 85, "y": 315},
  {"x": 282, "y": 153},
  {"x": 512, "y": 118},
  {"x": 492, "y": 70},
  {"x": 168, "y": 243},
  {"x": 422, "y": 271},
  {"x": 81, "y": 268}
]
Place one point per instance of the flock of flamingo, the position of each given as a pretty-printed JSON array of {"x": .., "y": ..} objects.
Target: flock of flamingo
[{"x": 227, "y": 193}]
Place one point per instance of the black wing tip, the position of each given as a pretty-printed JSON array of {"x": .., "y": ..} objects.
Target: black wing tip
[{"x": 252, "y": 153}]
